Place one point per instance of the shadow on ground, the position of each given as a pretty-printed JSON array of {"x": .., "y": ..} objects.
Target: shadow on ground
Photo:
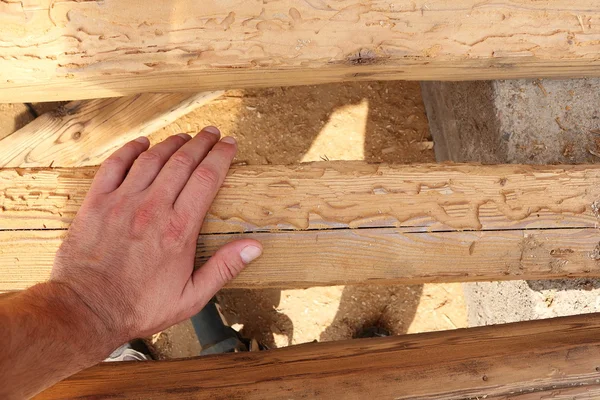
[
  {"x": 374, "y": 121},
  {"x": 280, "y": 126}
]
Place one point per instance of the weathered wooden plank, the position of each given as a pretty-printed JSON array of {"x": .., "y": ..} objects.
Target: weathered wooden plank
[
  {"x": 344, "y": 194},
  {"x": 490, "y": 222},
  {"x": 357, "y": 256},
  {"x": 86, "y": 132},
  {"x": 527, "y": 360},
  {"x": 70, "y": 50}
]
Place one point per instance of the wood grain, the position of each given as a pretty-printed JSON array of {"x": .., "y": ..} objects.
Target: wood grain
[
  {"x": 84, "y": 133},
  {"x": 357, "y": 256},
  {"x": 350, "y": 222},
  {"x": 68, "y": 50},
  {"x": 429, "y": 197},
  {"x": 528, "y": 360}
]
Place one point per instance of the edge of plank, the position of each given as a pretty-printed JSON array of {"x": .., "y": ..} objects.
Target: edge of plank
[
  {"x": 353, "y": 257},
  {"x": 518, "y": 360}
]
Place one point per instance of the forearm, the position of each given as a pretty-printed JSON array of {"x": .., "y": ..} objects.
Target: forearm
[{"x": 48, "y": 334}]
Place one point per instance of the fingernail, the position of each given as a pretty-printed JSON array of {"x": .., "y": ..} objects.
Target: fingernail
[
  {"x": 212, "y": 129},
  {"x": 228, "y": 139},
  {"x": 250, "y": 253},
  {"x": 143, "y": 140},
  {"x": 185, "y": 136}
]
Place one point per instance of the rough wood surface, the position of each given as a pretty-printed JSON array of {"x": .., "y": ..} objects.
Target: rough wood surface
[
  {"x": 67, "y": 50},
  {"x": 85, "y": 132},
  {"x": 555, "y": 358},
  {"x": 357, "y": 256},
  {"x": 350, "y": 222},
  {"x": 427, "y": 197}
]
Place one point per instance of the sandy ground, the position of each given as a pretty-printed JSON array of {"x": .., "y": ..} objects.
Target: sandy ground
[{"x": 377, "y": 121}]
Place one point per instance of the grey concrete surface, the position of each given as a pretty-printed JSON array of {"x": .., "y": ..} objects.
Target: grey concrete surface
[{"x": 528, "y": 122}]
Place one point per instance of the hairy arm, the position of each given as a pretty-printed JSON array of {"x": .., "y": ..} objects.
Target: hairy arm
[
  {"x": 47, "y": 335},
  {"x": 126, "y": 268}
]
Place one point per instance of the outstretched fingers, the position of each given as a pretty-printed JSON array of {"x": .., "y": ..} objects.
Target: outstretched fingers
[
  {"x": 148, "y": 165},
  {"x": 176, "y": 172},
  {"x": 113, "y": 170},
  {"x": 205, "y": 181}
]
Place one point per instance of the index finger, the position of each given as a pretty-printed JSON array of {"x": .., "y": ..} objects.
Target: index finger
[{"x": 205, "y": 181}]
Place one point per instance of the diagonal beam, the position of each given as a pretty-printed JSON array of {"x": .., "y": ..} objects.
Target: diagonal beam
[{"x": 84, "y": 133}]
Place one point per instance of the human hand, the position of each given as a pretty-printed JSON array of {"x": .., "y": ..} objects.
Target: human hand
[{"x": 129, "y": 253}]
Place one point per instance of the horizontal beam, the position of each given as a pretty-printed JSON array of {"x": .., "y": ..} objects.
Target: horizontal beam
[
  {"x": 84, "y": 133},
  {"x": 69, "y": 50},
  {"x": 428, "y": 197},
  {"x": 555, "y": 358},
  {"x": 350, "y": 222},
  {"x": 357, "y": 256}
]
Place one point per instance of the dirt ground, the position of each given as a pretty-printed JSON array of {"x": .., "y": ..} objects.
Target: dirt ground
[
  {"x": 376, "y": 122},
  {"x": 13, "y": 117}
]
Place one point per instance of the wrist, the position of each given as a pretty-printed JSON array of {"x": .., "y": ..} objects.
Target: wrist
[
  {"x": 57, "y": 307},
  {"x": 48, "y": 334}
]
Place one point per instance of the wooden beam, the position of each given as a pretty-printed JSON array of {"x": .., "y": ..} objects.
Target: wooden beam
[
  {"x": 86, "y": 132},
  {"x": 357, "y": 256},
  {"x": 65, "y": 50},
  {"x": 556, "y": 358},
  {"x": 350, "y": 222},
  {"x": 428, "y": 197}
]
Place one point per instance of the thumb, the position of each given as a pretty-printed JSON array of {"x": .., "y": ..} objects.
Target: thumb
[{"x": 221, "y": 268}]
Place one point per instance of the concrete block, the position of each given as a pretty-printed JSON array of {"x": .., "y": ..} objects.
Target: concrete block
[
  {"x": 516, "y": 121},
  {"x": 527, "y": 122}
]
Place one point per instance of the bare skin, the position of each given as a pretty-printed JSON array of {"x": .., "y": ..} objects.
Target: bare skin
[{"x": 126, "y": 267}]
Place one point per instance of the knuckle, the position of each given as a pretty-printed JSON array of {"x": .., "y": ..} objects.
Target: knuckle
[
  {"x": 206, "y": 177},
  {"x": 176, "y": 230},
  {"x": 143, "y": 217},
  {"x": 92, "y": 201},
  {"x": 113, "y": 162},
  {"x": 130, "y": 146},
  {"x": 207, "y": 139},
  {"x": 228, "y": 269},
  {"x": 225, "y": 150},
  {"x": 150, "y": 156},
  {"x": 117, "y": 205},
  {"x": 182, "y": 159}
]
